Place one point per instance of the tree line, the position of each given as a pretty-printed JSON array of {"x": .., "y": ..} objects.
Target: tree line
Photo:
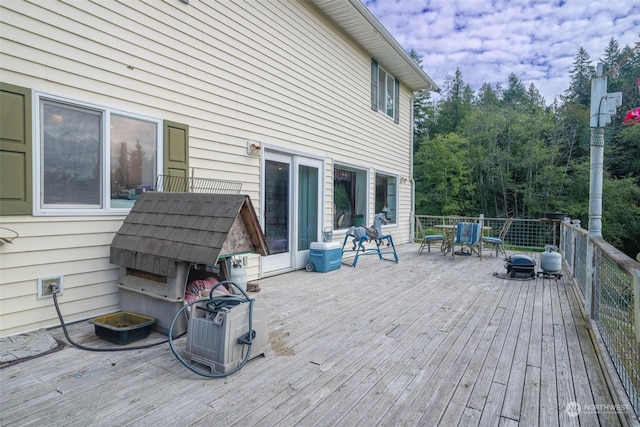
[{"x": 502, "y": 151}]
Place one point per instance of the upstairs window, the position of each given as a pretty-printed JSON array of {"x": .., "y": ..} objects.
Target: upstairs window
[
  {"x": 93, "y": 159},
  {"x": 385, "y": 92}
]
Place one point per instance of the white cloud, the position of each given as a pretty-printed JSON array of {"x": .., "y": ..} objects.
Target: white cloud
[{"x": 490, "y": 39}]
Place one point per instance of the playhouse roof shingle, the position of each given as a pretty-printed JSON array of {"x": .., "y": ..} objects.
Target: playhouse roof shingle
[{"x": 163, "y": 229}]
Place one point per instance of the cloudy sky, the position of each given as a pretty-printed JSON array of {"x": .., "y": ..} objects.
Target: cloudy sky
[{"x": 489, "y": 39}]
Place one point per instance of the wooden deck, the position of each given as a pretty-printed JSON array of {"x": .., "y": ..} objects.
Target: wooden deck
[{"x": 432, "y": 340}]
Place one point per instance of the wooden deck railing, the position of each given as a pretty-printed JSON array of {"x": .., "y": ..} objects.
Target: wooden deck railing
[{"x": 609, "y": 284}]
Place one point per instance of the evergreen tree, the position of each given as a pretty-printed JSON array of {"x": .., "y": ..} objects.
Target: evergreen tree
[
  {"x": 423, "y": 117},
  {"x": 631, "y": 66},
  {"x": 535, "y": 98},
  {"x": 442, "y": 179},
  {"x": 580, "y": 85},
  {"x": 622, "y": 144},
  {"x": 456, "y": 104},
  {"x": 504, "y": 152},
  {"x": 423, "y": 111},
  {"x": 487, "y": 96},
  {"x": 611, "y": 57},
  {"x": 515, "y": 93}
]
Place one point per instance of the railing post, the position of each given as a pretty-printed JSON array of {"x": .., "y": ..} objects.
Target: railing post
[
  {"x": 590, "y": 271},
  {"x": 574, "y": 249},
  {"x": 575, "y": 224}
]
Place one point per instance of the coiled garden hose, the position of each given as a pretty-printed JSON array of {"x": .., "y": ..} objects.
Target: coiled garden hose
[{"x": 217, "y": 303}]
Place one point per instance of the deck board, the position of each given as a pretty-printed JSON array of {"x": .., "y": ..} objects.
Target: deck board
[{"x": 432, "y": 340}]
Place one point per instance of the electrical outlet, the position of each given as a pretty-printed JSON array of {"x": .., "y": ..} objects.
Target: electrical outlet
[{"x": 49, "y": 285}]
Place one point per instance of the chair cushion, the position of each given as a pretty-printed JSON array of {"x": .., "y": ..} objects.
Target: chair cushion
[
  {"x": 433, "y": 237},
  {"x": 492, "y": 240}
]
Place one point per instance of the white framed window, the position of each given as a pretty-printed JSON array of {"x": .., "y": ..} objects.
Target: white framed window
[
  {"x": 91, "y": 159},
  {"x": 385, "y": 92},
  {"x": 349, "y": 196},
  {"x": 387, "y": 196}
]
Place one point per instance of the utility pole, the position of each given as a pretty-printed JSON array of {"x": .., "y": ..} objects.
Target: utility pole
[{"x": 603, "y": 106}]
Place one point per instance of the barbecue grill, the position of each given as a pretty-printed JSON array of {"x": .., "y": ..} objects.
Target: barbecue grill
[{"x": 520, "y": 266}]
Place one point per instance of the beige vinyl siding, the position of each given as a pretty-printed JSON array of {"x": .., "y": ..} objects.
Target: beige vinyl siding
[
  {"x": 77, "y": 248},
  {"x": 277, "y": 72},
  {"x": 276, "y": 106}
]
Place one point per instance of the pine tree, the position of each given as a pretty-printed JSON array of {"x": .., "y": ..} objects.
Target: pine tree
[
  {"x": 423, "y": 111},
  {"x": 487, "y": 96},
  {"x": 580, "y": 85},
  {"x": 535, "y": 98},
  {"x": 611, "y": 57},
  {"x": 515, "y": 93},
  {"x": 457, "y": 103}
]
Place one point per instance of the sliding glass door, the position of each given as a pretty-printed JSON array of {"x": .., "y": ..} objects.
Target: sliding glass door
[{"x": 292, "y": 212}]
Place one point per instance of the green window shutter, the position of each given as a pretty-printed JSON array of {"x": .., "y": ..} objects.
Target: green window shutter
[
  {"x": 16, "y": 192},
  {"x": 396, "y": 101},
  {"x": 374, "y": 84},
  {"x": 176, "y": 156}
]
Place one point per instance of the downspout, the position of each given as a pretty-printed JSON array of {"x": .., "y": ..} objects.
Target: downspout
[{"x": 412, "y": 216}]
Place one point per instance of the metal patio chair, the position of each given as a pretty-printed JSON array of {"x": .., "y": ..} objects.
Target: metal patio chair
[
  {"x": 498, "y": 241},
  {"x": 468, "y": 234},
  {"x": 430, "y": 239}
]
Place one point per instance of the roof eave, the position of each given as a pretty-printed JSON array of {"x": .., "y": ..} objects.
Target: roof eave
[{"x": 358, "y": 22}]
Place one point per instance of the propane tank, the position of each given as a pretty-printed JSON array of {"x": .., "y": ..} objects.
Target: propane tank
[
  {"x": 239, "y": 277},
  {"x": 551, "y": 260}
]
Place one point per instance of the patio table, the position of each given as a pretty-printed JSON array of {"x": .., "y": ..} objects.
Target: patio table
[{"x": 449, "y": 234}]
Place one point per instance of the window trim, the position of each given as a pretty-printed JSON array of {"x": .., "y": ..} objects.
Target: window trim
[
  {"x": 396, "y": 208},
  {"x": 367, "y": 190},
  {"x": 39, "y": 209},
  {"x": 375, "y": 91}
]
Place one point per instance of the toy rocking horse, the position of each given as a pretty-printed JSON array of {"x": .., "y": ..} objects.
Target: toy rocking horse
[{"x": 362, "y": 235}]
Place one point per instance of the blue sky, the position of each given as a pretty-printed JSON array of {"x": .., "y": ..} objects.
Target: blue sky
[{"x": 489, "y": 39}]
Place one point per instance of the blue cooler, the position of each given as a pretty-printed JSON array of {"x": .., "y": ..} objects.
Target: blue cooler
[{"x": 324, "y": 256}]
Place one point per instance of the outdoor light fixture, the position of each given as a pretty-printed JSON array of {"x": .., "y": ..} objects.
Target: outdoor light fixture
[{"x": 253, "y": 148}]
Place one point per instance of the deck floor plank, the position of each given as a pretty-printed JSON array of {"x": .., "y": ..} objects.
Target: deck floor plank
[
  {"x": 491, "y": 411},
  {"x": 481, "y": 387},
  {"x": 576, "y": 359},
  {"x": 548, "y": 390},
  {"x": 515, "y": 386},
  {"x": 431, "y": 340},
  {"x": 594, "y": 382},
  {"x": 455, "y": 389},
  {"x": 411, "y": 405},
  {"x": 411, "y": 338},
  {"x": 457, "y": 404}
]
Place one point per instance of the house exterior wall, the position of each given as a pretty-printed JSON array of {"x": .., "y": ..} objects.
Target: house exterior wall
[{"x": 276, "y": 72}]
